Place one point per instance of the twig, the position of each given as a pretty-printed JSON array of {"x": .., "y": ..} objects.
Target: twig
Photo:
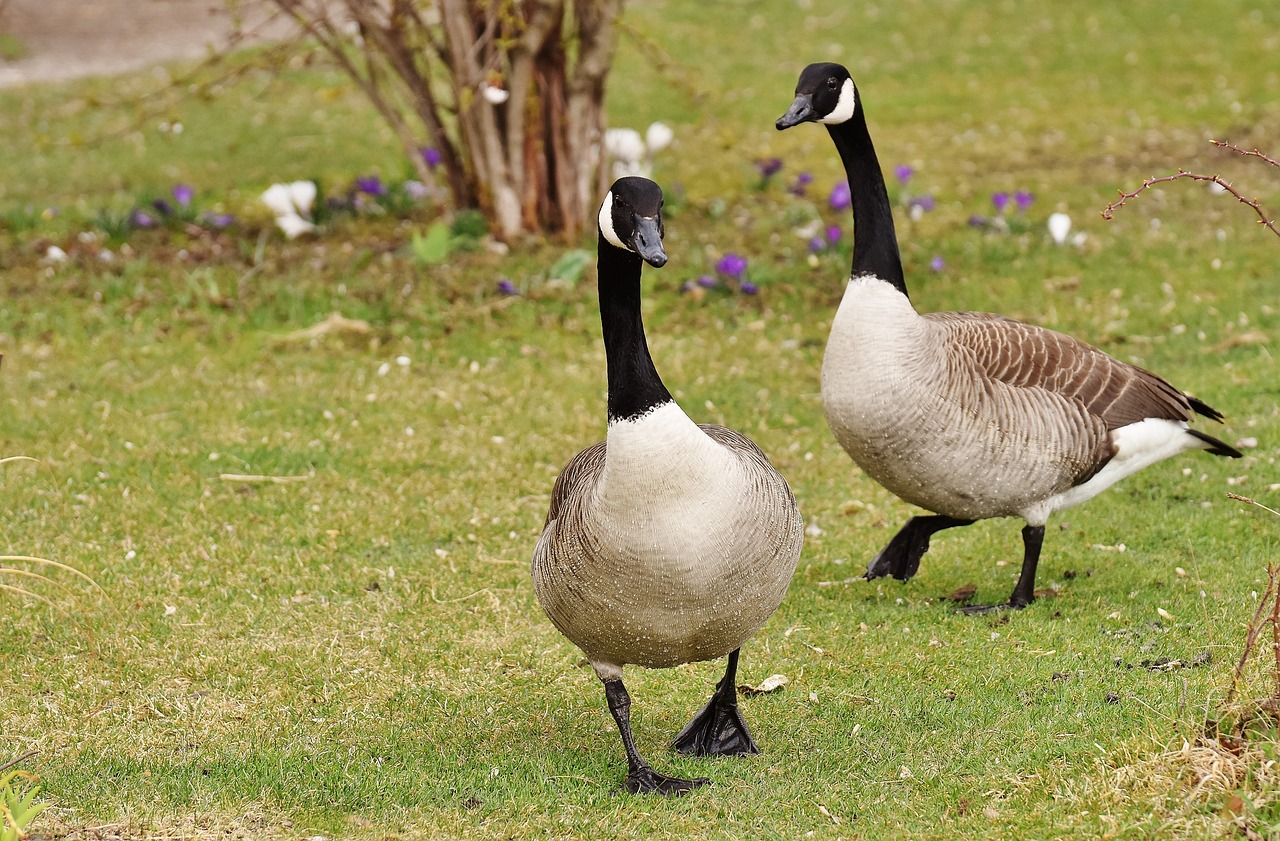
[
  {"x": 1273, "y": 573},
  {"x": 1251, "y": 637},
  {"x": 19, "y": 760},
  {"x": 1109, "y": 211},
  {"x": 1275, "y": 633},
  {"x": 251, "y": 479},
  {"x": 1248, "y": 153}
]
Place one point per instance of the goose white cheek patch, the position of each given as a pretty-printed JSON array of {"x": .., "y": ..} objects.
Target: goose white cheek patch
[
  {"x": 606, "y": 222},
  {"x": 844, "y": 108}
]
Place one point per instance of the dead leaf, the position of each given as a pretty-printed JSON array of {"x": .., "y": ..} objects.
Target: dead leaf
[
  {"x": 1248, "y": 337},
  {"x": 336, "y": 322},
  {"x": 963, "y": 594},
  {"x": 255, "y": 479},
  {"x": 770, "y": 684}
]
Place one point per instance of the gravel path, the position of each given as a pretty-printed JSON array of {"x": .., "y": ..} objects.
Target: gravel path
[{"x": 68, "y": 39}]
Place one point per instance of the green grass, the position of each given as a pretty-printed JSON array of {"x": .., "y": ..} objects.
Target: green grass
[{"x": 360, "y": 654}]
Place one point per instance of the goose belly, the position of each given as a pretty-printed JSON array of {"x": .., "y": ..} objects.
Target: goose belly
[
  {"x": 947, "y": 461},
  {"x": 678, "y": 551},
  {"x": 932, "y": 434},
  {"x": 666, "y": 585}
]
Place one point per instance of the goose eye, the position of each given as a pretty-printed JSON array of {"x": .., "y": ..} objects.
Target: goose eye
[{"x": 833, "y": 83}]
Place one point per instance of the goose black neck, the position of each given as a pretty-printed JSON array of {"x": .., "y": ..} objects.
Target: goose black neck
[
  {"x": 875, "y": 243},
  {"x": 634, "y": 384}
]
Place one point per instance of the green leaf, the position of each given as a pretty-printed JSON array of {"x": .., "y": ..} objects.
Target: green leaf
[
  {"x": 570, "y": 266},
  {"x": 432, "y": 248},
  {"x": 19, "y": 810}
]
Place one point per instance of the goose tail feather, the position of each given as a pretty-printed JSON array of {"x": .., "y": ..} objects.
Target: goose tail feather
[{"x": 1214, "y": 446}]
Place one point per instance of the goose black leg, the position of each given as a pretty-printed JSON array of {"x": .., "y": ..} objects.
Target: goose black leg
[
  {"x": 901, "y": 556},
  {"x": 641, "y": 779},
  {"x": 1024, "y": 592},
  {"x": 719, "y": 729}
]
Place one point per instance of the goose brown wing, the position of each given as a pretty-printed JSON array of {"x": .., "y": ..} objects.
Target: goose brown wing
[
  {"x": 1026, "y": 356},
  {"x": 581, "y": 470}
]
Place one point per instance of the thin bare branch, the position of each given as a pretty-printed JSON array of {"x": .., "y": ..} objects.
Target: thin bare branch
[
  {"x": 1248, "y": 153},
  {"x": 1269, "y": 223},
  {"x": 18, "y": 760},
  {"x": 1270, "y": 596},
  {"x": 1250, "y": 639}
]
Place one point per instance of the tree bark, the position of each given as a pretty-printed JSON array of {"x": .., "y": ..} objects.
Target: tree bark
[{"x": 531, "y": 162}]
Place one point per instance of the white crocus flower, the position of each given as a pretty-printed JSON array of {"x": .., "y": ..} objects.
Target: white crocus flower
[
  {"x": 303, "y": 194},
  {"x": 658, "y": 137},
  {"x": 291, "y": 203},
  {"x": 1059, "y": 227},
  {"x": 495, "y": 95},
  {"x": 625, "y": 144},
  {"x": 294, "y": 225},
  {"x": 278, "y": 199},
  {"x": 629, "y": 152}
]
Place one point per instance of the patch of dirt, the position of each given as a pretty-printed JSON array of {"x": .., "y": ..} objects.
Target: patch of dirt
[{"x": 69, "y": 39}]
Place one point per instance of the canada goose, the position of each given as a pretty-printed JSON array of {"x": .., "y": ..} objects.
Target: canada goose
[
  {"x": 970, "y": 415},
  {"x": 669, "y": 542}
]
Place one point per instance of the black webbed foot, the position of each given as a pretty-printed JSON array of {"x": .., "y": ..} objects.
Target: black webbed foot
[
  {"x": 979, "y": 609},
  {"x": 645, "y": 780},
  {"x": 901, "y": 556},
  {"x": 718, "y": 729}
]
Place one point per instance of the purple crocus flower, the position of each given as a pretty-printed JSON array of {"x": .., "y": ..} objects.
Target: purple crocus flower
[
  {"x": 903, "y": 173},
  {"x": 431, "y": 155},
  {"x": 840, "y": 198},
  {"x": 416, "y": 190},
  {"x": 937, "y": 264},
  {"x": 371, "y": 185},
  {"x": 801, "y": 184},
  {"x": 706, "y": 281},
  {"x": 816, "y": 244},
  {"x": 1023, "y": 199},
  {"x": 833, "y": 234},
  {"x": 141, "y": 219},
  {"x": 977, "y": 221},
  {"x": 506, "y": 287},
  {"x": 183, "y": 194},
  {"x": 731, "y": 265},
  {"x": 768, "y": 167},
  {"x": 748, "y": 288},
  {"x": 1000, "y": 201},
  {"x": 218, "y": 221},
  {"x": 162, "y": 207},
  {"x": 925, "y": 202}
]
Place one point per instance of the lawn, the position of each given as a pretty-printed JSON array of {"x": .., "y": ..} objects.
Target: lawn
[{"x": 315, "y": 615}]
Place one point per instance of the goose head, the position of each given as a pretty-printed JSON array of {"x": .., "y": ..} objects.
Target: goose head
[
  {"x": 631, "y": 219},
  {"x": 825, "y": 94}
]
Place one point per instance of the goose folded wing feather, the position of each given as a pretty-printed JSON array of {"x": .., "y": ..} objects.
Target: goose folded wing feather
[{"x": 1026, "y": 356}]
